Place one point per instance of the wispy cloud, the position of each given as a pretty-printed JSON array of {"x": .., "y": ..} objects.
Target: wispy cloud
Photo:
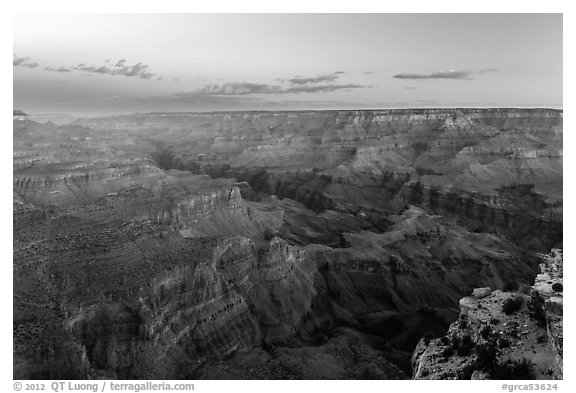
[
  {"x": 16, "y": 61},
  {"x": 302, "y": 80},
  {"x": 322, "y": 88},
  {"x": 244, "y": 95},
  {"x": 138, "y": 70},
  {"x": 120, "y": 67},
  {"x": 465, "y": 75},
  {"x": 23, "y": 62},
  {"x": 30, "y": 65},
  {"x": 298, "y": 84},
  {"x": 59, "y": 69},
  {"x": 451, "y": 74},
  {"x": 237, "y": 88},
  {"x": 246, "y": 88},
  {"x": 486, "y": 70}
]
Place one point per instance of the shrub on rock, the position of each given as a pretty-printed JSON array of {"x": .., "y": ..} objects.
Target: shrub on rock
[{"x": 512, "y": 305}]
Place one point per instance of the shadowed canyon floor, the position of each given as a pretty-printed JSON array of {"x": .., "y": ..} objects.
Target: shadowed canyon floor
[{"x": 313, "y": 244}]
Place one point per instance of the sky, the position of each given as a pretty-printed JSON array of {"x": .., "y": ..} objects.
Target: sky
[{"x": 95, "y": 64}]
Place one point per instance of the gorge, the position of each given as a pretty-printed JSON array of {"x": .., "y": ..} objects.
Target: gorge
[{"x": 271, "y": 245}]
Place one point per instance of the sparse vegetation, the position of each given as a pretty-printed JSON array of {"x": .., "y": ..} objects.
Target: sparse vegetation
[
  {"x": 503, "y": 342},
  {"x": 463, "y": 321},
  {"x": 487, "y": 360},
  {"x": 487, "y": 356},
  {"x": 447, "y": 352},
  {"x": 455, "y": 342},
  {"x": 485, "y": 332},
  {"x": 512, "y": 305},
  {"x": 514, "y": 369},
  {"x": 466, "y": 346},
  {"x": 536, "y": 310},
  {"x": 466, "y": 372},
  {"x": 558, "y": 287}
]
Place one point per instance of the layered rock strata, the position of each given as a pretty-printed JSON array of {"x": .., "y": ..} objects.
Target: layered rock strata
[{"x": 193, "y": 245}]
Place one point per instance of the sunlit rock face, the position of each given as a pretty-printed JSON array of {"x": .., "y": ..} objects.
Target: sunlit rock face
[{"x": 194, "y": 245}]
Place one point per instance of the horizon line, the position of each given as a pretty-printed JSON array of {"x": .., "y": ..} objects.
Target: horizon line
[{"x": 228, "y": 111}]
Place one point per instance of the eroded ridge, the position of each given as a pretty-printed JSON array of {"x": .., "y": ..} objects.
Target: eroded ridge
[{"x": 243, "y": 245}]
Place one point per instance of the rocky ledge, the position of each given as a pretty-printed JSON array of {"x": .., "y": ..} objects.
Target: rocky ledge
[{"x": 501, "y": 335}]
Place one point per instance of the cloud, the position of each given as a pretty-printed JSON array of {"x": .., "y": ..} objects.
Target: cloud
[
  {"x": 59, "y": 69},
  {"x": 298, "y": 84},
  {"x": 451, "y": 74},
  {"x": 246, "y": 88},
  {"x": 238, "y": 88},
  {"x": 30, "y": 65},
  {"x": 300, "y": 80},
  {"x": 23, "y": 62},
  {"x": 138, "y": 70},
  {"x": 16, "y": 61},
  {"x": 485, "y": 70},
  {"x": 310, "y": 80},
  {"x": 462, "y": 75},
  {"x": 322, "y": 88},
  {"x": 246, "y": 95}
]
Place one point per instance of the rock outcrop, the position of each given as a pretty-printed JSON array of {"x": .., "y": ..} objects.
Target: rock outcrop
[
  {"x": 549, "y": 288},
  {"x": 501, "y": 335}
]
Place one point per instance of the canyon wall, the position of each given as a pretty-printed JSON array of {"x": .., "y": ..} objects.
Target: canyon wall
[{"x": 190, "y": 245}]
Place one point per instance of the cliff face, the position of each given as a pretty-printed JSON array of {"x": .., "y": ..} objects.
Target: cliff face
[
  {"x": 131, "y": 286},
  {"x": 370, "y": 160},
  {"x": 515, "y": 211},
  {"x": 548, "y": 294},
  {"x": 501, "y": 335},
  {"x": 194, "y": 245}
]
